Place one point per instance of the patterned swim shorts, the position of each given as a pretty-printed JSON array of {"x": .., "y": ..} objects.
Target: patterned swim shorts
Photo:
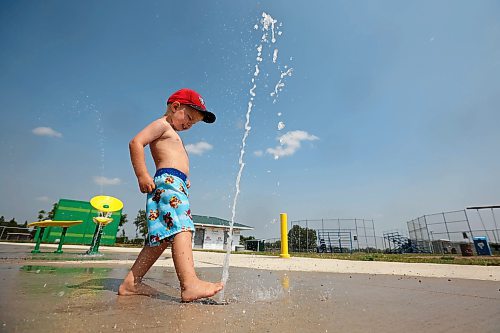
[{"x": 167, "y": 207}]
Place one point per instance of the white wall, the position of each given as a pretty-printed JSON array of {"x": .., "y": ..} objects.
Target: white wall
[
  {"x": 236, "y": 239},
  {"x": 214, "y": 238}
]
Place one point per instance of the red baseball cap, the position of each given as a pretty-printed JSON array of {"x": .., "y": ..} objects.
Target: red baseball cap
[{"x": 194, "y": 100}]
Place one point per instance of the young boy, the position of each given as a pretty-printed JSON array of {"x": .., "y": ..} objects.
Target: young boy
[{"x": 167, "y": 207}]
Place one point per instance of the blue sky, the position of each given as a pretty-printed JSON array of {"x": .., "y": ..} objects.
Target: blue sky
[{"x": 391, "y": 112}]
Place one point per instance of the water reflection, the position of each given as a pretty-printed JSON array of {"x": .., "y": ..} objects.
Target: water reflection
[
  {"x": 285, "y": 281},
  {"x": 62, "y": 270}
]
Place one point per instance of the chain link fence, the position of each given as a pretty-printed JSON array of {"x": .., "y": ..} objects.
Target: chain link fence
[
  {"x": 334, "y": 235},
  {"x": 437, "y": 232},
  {"x": 325, "y": 235}
]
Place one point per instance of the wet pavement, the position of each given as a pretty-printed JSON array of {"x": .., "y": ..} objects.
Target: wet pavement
[{"x": 81, "y": 297}]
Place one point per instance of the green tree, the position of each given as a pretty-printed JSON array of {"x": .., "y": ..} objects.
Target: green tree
[
  {"x": 41, "y": 215},
  {"x": 140, "y": 222},
  {"x": 50, "y": 215},
  {"x": 301, "y": 239},
  {"x": 273, "y": 246},
  {"x": 243, "y": 239},
  {"x": 123, "y": 220}
]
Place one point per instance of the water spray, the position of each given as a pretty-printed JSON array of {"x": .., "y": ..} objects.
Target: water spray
[{"x": 269, "y": 28}]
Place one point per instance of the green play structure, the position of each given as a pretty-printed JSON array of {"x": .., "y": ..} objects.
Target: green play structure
[{"x": 68, "y": 210}]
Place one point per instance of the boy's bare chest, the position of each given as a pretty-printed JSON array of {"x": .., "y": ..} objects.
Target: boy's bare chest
[
  {"x": 169, "y": 151},
  {"x": 171, "y": 143}
]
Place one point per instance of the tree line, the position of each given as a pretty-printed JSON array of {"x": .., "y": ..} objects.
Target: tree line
[{"x": 298, "y": 237}]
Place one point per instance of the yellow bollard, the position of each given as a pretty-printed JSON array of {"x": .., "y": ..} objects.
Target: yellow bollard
[{"x": 284, "y": 236}]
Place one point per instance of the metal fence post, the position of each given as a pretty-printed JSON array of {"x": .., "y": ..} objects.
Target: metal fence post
[
  {"x": 468, "y": 224},
  {"x": 357, "y": 233},
  {"x": 446, "y": 226},
  {"x": 307, "y": 237},
  {"x": 431, "y": 247},
  {"x": 299, "y": 236},
  {"x": 481, "y": 219},
  {"x": 366, "y": 237},
  {"x": 496, "y": 226}
]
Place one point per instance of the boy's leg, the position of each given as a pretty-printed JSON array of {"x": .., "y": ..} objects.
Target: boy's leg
[
  {"x": 192, "y": 288},
  {"x": 132, "y": 285}
]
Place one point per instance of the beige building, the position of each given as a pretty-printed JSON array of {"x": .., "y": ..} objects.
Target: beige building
[{"x": 212, "y": 232}]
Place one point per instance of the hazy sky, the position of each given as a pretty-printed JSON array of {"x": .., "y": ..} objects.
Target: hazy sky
[{"x": 391, "y": 111}]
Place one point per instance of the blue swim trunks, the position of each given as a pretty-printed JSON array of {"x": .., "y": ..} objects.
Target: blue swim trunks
[{"x": 167, "y": 207}]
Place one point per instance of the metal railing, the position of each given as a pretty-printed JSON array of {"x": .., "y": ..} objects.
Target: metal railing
[{"x": 15, "y": 233}]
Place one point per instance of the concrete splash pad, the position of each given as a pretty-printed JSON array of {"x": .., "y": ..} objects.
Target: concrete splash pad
[{"x": 81, "y": 297}]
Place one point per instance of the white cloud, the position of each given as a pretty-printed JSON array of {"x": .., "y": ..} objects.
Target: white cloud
[
  {"x": 290, "y": 143},
  {"x": 43, "y": 198},
  {"x": 101, "y": 180},
  {"x": 46, "y": 131},
  {"x": 258, "y": 153},
  {"x": 198, "y": 148}
]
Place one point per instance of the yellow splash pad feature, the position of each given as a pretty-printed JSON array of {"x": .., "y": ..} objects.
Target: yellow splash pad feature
[
  {"x": 107, "y": 204},
  {"x": 102, "y": 220},
  {"x": 50, "y": 223}
]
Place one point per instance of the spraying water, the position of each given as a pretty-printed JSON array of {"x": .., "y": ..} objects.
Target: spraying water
[
  {"x": 269, "y": 29},
  {"x": 96, "y": 234},
  {"x": 83, "y": 104},
  {"x": 100, "y": 133}
]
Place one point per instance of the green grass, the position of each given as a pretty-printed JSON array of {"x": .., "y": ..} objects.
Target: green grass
[
  {"x": 358, "y": 256},
  {"x": 408, "y": 258}
]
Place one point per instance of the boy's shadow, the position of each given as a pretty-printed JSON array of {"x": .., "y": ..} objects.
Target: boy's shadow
[{"x": 112, "y": 284}]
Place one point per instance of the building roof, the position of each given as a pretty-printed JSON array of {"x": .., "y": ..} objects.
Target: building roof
[{"x": 210, "y": 221}]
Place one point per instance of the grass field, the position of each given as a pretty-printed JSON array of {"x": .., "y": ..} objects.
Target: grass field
[
  {"x": 410, "y": 258},
  {"x": 358, "y": 256}
]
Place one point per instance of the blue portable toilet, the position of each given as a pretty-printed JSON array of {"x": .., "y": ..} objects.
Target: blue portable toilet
[{"x": 482, "y": 246}]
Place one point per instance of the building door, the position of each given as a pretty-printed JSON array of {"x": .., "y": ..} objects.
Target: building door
[{"x": 199, "y": 236}]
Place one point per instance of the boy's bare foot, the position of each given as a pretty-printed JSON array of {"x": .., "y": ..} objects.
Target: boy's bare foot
[
  {"x": 199, "y": 289},
  {"x": 128, "y": 288}
]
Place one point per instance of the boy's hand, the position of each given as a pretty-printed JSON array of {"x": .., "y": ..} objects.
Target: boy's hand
[{"x": 146, "y": 184}]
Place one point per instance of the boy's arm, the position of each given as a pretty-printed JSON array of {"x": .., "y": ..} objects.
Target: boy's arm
[{"x": 136, "y": 146}]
